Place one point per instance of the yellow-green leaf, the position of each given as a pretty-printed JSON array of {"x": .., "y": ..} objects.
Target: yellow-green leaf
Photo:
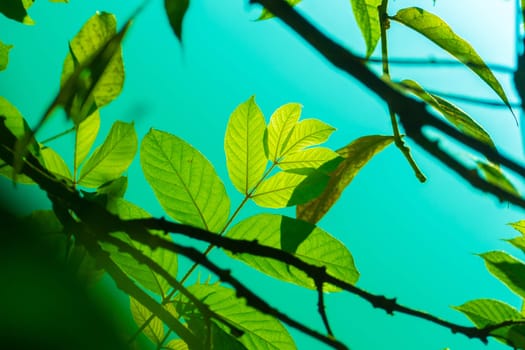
[
  {"x": 244, "y": 146},
  {"x": 90, "y": 40},
  {"x": 176, "y": 344},
  {"x": 308, "y": 158},
  {"x": 304, "y": 240},
  {"x": 4, "y": 55},
  {"x": 155, "y": 328},
  {"x": 439, "y": 32},
  {"x": 461, "y": 120},
  {"x": 356, "y": 154},
  {"x": 495, "y": 176},
  {"x": 265, "y": 14},
  {"x": 507, "y": 269},
  {"x": 276, "y": 191},
  {"x": 175, "y": 10},
  {"x": 55, "y": 163},
  {"x": 111, "y": 159},
  {"x": 86, "y": 134},
  {"x": 367, "y": 18},
  {"x": 184, "y": 181},
  {"x": 306, "y": 133},
  {"x": 282, "y": 122}
]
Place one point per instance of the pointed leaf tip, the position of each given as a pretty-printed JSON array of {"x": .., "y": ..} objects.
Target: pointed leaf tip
[{"x": 176, "y": 10}]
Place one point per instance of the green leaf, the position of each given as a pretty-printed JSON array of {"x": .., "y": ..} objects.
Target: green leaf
[
  {"x": 86, "y": 134},
  {"x": 115, "y": 188},
  {"x": 277, "y": 191},
  {"x": 260, "y": 331},
  {"x": 487, "y": 312},
  {"x": 4, "y": 55},
  {"x": 244, "y": 146},
  {"x": 90, "y": 40},
  {"x": 439, "y": 32},
  {"x": 495, "y": 176},
  {"x": 16, "y": 123},
  {"x": 304, "y": 240},
  {"x": 265, "y": 14},
  {"x": 357, "y": 154},
  {"x": 519, "y": 226},
  {"x": 176, "y": 344},
  {"x": 155, "y": 328},
  {"x": 175, "y": 10},
  {"x": 282, "y": 122},
  {"x": 306, "y": 133},
  {"x": 461, "y": 120},
  {"x": 17, "y": 10},
  {"x": 55, "y": 163},
  {"x": 111, "y": 159},
  {"x": 367, "y": 17},
  {"x": 213, "y": 337},
  {"x": 507, "y": 269},
  {"x": 184, "y": 181},
  {"x": 140, "y": 272},
  {"x": 309, "y": 158}
]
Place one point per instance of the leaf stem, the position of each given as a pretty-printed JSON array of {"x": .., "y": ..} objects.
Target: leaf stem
[
  {"x": 59, "y": 135},
  {"x": 398, "y": 138}
]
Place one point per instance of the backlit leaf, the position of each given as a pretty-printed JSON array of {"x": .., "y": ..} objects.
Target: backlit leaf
[
  {"x": 487, "y": 312},
  {"x": 176, "y": 344},
  {"x": 276, "y": 191},
  {"x": 155, "y": 328},
  {"x": 306, "y": 133},
  {"x": 439, "y": 32},
  {"x": 519, "y": 225},
  {"x": 55, "y": 163},
  {"x": 495, "y": 176},
  {"x": 461, "y": 120},
  {"x": 184, "y": 181},
  {"x": 357, "y": 154},
  {"x": 175, "y": 10},
  {"x": 244, "y": 146},
  {"x": 308, "y": 158},
  {"x": 140, "y": 272},
  {"x": 115, "y": 188},
  {"x": 87, "y": 132},
  {"x": 4, "y": 55},
  {"x": 265, "y": 14},
  {"x": 507, "y": 269},
  {"x": 260, "y": 331},
  {"x": 304, "y": 240},
  {"x": 111, "y": 159},
  {"x": 90, "y": 40},
  {"x": 367, "y": 17},
  {"x": 282, "y": 122},
  {"x": 17, "y": 10}
]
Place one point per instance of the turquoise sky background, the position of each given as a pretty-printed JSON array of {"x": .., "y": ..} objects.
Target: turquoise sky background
[{"x": 413, "y": 241}]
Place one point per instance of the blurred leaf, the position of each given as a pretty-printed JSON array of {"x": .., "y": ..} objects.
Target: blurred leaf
[
  {"x": 519, "y": 225},
  {"x": 304, "y": 240},
  {"x": 175, "y": 10},
  {"x": 55, "y": 163},
  {"x": 487, "y": 312},
  {"x": 507, "y": 269},
  {"x": 260, "y": 331},
  {"x": 184, "y": 181},
  {"x": 111, "y": 159},
  {"x": 494, "y": 175},
  {"x": 357, "y": 154},
  {"x": 308, "y": 158},
  {"x": 243, "y": 143},
  {"x": 96, "y": 52},
  {"x": 439, "y": 32},
  {"x": 461, "y": 120},
  {"x": 114, "y": 188},
  {"x": 176, "y": 344},
  {"x": 306, "y": 133},
  {"x": 17, "y": 10},
  {"x": 140, "y": 272},
  {"x": 367, "y": 17},
  {"x": 4, "y": 55},
  {"x": 87, "y": 132},
  {"x": 282, "y": 122},
  {"x": 155, "y": 328},
  {"x": 265, "y": 14}
]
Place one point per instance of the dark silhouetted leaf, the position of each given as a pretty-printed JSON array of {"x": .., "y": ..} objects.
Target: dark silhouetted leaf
[
  {"x": 175, "y": 10},
  {"x": 356, "y": 155},
  {"x": 17, "y": 10},
  {"x": 304, "y": 240}
]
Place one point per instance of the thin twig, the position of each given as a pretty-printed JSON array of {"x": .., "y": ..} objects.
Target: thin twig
[{"x": 321, "y": 308}]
